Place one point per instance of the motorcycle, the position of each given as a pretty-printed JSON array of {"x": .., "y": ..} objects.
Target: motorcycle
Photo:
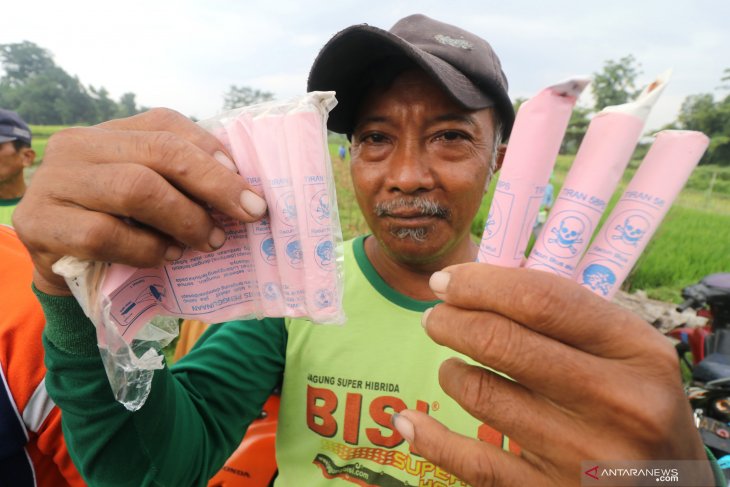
[{"x": 705, "y": 357}]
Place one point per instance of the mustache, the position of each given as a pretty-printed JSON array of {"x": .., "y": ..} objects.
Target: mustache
[{"x": 425, "y": 206}]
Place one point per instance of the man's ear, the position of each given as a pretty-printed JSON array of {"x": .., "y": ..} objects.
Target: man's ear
[
  {"x": 501, "y": 150},
  {"x": 28, "y": 156}
]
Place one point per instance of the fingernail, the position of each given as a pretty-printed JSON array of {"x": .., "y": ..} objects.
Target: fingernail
[
  {"x": 173, "y": 253},
  {"x": 439, "y": 282},
  {"x": 424, "y": 318},
  {"x": 217, "y": 238},
  {"x": 252, "y": 203},
  {"x": 225, "y": 161},
  {"x": 403, "y": 426}
]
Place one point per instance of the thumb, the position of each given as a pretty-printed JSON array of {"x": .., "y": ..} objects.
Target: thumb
[{"x": 475, "y": 462}]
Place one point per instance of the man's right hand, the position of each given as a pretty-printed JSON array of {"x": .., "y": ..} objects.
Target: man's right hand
[{"x": 157, "y": 170}]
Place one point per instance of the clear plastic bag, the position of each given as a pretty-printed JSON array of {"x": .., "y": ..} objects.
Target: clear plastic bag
[{"x": 289, "y": 264}]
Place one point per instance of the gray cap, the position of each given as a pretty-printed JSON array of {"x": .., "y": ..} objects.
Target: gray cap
[
  {"x": 463, "y": 64},
  {"x": 12, "y": 127}
]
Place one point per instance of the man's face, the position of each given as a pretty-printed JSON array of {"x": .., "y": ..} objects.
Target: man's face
[
  {"x": 12, "y": 162},
  {"x": 419, "y": 167}
]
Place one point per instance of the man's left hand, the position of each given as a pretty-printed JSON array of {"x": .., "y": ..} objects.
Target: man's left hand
[{"x": 592, "y": 381}]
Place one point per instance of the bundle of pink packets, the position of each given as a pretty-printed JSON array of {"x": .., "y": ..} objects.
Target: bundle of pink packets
[{"x": 288, "y": 264}]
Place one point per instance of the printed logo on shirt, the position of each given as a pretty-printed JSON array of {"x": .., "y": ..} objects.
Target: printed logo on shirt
[{"x": 339, "y": 412}]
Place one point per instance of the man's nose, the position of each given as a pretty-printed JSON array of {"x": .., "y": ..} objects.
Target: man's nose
[{"x": 410, "y": 170}]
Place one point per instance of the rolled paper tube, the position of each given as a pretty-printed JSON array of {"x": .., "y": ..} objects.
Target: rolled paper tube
[
  {"x": 314, "y": 206},
  {"x": 261, "y": 240},
  {"x": 638, "y": 213},
  {"x": 270, "y": 141},
  {"x": 601, "y": 160},
  {"x": 533, "y": 147},
  {"x": 241, "y": 286}
]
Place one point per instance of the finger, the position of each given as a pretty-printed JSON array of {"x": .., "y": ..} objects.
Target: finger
[
  {"x": 94, "y": 236},
  {"x": 137, "y": 192},
  {"x": 525, "y": 417},
  {"x": 549, "y": 304},
  {"x": 172, "y": 121},
  {"x": 540, "y": 363},
  {"x": 186, "y": 166},
  {"x": 474, "y": 462},
  {"x": 164, "y": 119}
]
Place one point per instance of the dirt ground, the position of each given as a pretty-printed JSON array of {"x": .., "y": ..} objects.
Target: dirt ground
[{"x": 660, "y": 314}]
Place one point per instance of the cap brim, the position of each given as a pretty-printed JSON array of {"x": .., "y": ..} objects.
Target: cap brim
[
  {"x": 342, "y": 62},
  {"x": 4, "y": 139}
]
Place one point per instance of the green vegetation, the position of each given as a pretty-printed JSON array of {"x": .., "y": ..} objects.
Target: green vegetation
[
  {"x": 351, "y": 219},
  {"x": 41, "y": 133},
  {"x": 690, "y": 244},
  {"x": 44, "y": 93}
]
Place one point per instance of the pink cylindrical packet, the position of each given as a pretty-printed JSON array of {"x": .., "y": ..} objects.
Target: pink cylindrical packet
[
  {"x": 261, "y": 241},
  {"x": 533, "y": 147},
  {"x": 307, "y": 145},
  {"x": 238, "y": 247},
  {"x": 638, "y": 213},
  {"x": 270, "y": 141},
  {"x": 601, "y": 160}
]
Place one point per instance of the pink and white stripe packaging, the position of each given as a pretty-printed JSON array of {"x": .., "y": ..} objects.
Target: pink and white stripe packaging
[
  {"x": 637, "y": 215},
  {"x": 533, "y": 147}
]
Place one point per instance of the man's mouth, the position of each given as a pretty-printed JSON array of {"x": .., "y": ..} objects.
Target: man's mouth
[{"x": 411, "y": 210}]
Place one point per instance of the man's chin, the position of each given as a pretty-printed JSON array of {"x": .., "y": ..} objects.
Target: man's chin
[
  {"x": 412, "y": 244},
  {"x": 414, "y": 234}
]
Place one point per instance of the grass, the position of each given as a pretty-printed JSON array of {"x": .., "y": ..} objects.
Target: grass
[
  {"x": 351, "y": 218},
  {"x": 693, "y": 240},
  {"x": 690, "y": 244}
]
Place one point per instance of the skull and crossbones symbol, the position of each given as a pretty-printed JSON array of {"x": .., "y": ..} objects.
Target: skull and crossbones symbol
[
  {"x": 569, "y": 233},
  {"x": 633, "y": 229},
  {"x": 323, "y": 209},
  {"x": 490, "y": 221}
]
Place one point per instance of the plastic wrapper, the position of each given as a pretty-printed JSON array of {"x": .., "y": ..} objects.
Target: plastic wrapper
[
  {"x": 289, "y": 264},
  {"x": 533, "y": 147},
  {"x": 637, "y": 215},
  {"x": 601, "y": 160}
]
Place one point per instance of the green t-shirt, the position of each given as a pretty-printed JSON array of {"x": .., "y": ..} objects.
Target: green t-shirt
[
  {"x": 343, "y": 383},
  {"x": 7, "y": 207}
]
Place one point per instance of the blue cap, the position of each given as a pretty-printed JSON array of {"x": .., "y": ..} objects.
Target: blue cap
[{"x": 12, "y": 127}]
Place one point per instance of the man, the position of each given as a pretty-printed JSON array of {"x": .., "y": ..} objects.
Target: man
[
  {"x": 32, "y": 449},
  {"x": 15, "y": 155},
  {"x": 342, "y": 152},
  {"x": 425, "y": 105}
]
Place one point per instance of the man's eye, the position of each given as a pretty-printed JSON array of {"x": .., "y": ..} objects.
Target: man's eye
[
  {"x": 451, "y": 135},
  {"x": 373, "y": 138}
]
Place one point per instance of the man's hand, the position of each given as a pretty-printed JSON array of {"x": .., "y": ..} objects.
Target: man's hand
[
  {"x": 132, "y": 191},
  {"x": 592, "y": 381}
]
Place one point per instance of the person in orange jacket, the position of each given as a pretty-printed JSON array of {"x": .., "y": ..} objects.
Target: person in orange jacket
[{"x": 32, "y": 448}]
